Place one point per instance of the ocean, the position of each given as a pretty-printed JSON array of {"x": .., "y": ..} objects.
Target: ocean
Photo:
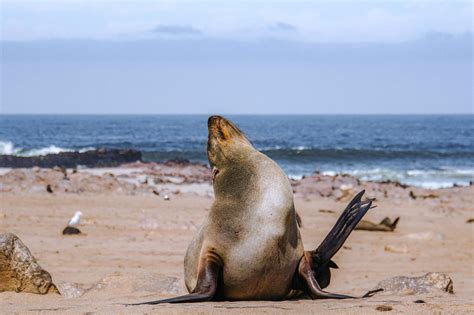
[{"x": 431, "y": 151}]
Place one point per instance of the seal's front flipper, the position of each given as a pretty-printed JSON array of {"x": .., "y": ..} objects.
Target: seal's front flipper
[
  {"x": 206, "y": 286},
  {"x": 312, "y": 288}
]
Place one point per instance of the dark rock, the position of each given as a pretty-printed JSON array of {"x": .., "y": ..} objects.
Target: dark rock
[
  {"x": 384, "y": 308},
  {"x": 70, "y": 230},
  {"x": 413, "y": 196},
  {"x": 49, "y": 189},
  {"x": 395, "y": 183},
  {"x": 94, "y": 158},
  {"x": 174, "y": 162}
]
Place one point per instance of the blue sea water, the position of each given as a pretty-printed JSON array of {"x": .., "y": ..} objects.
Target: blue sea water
[{"x": 429, "y": 151}]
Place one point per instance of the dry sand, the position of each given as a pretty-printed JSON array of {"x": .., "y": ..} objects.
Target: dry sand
[{"x": 133, "y": 246}]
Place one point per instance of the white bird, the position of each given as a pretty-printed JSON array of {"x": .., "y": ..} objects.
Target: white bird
[{"x": 75, "y": 219}]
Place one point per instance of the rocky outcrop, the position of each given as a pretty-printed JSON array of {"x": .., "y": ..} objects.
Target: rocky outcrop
[
  {"x": 19, "y": 270},
  {"x": 93, "y": 158}
]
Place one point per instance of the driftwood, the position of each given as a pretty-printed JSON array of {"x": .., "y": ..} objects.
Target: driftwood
[
  {"x": 386, "y": 225},
  {"x": 19, "y": 270}
]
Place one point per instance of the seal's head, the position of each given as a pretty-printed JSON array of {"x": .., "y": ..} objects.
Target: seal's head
[{"x": 226, "y": 146}]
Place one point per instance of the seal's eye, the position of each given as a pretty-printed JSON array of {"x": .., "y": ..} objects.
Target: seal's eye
[{"x": 215, "y": 171}]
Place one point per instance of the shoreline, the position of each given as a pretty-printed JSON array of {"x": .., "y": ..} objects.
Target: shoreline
[
  {"x": 382, "y": 171},
  {"x": 175, "y": 177}
]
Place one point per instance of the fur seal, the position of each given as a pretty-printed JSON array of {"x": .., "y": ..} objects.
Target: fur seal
[{"x": 249, "y": 246}]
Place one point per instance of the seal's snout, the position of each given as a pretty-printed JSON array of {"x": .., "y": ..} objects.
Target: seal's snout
[
  {"x": 223, "y": 140},
  {"x": 223, "y": 129},
  {"x": 214, "y": 120}
]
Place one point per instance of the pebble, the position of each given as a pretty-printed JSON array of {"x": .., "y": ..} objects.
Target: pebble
[
  {"x": 396, "y": 249},
  {"x": 384, "y": 308},
  {"x": 426, "y": 236},
  {"x": 148, "y": 224},
  {"x": 70, "y": 290}
]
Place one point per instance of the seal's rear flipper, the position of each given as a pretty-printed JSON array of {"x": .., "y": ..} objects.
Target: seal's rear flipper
[
  {"x": 205, "y": 290},
  {"x": 310, "y": 285},
  {"x": 349, "y": 218},
  {"x": 320, "y": 259}
]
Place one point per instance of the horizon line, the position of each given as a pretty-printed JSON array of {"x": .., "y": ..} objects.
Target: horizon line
[{"x": 236, "y": 114}]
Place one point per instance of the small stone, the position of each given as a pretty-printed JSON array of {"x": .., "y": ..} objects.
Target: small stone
[
  {"x": 70, "y": 290},
  {"x": 384, "y": 308},
  {"x": 166, "y": 197},
  {"x": 396, "y": 249},
  {"x": 49, "y": 189},
  {"x": 430, "y": 282},
  {"x": 148, "y": 224},
  {"x": 426, "y": 236},
  {"x": 346, "y": 187},
  {"x": 326, "y": 211}
]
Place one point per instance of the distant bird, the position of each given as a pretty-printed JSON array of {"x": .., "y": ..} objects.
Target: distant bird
[
  {"x": 75, "y": 219},
  {"x": 70, "y": 229}
]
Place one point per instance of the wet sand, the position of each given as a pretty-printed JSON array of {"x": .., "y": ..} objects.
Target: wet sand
[{"x": 133, "y": 241}]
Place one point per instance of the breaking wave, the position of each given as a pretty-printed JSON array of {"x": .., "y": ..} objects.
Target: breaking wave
[
  {"x": 412, "y": 167},
  {"x": 430, "y": 179},
  {"x": 8, "y": 148}
]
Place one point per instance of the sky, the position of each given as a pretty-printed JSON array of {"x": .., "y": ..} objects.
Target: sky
[{"x": 229, "y": 57}]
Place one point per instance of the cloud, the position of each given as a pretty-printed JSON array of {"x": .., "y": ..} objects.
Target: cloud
[
  {"x": 175, "y": 30},
  {"x": 282, "y": 26},
  {"x": 306, "y": 20}
]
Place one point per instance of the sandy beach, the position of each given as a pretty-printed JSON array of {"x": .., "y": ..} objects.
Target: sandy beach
[{"x": 133, "y": 240}]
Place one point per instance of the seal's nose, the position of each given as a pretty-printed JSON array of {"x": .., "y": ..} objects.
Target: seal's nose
[{"x": 214, "y": 120}]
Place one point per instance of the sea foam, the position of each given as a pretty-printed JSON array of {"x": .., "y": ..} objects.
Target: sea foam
[{"x": 8, "y": 148}]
